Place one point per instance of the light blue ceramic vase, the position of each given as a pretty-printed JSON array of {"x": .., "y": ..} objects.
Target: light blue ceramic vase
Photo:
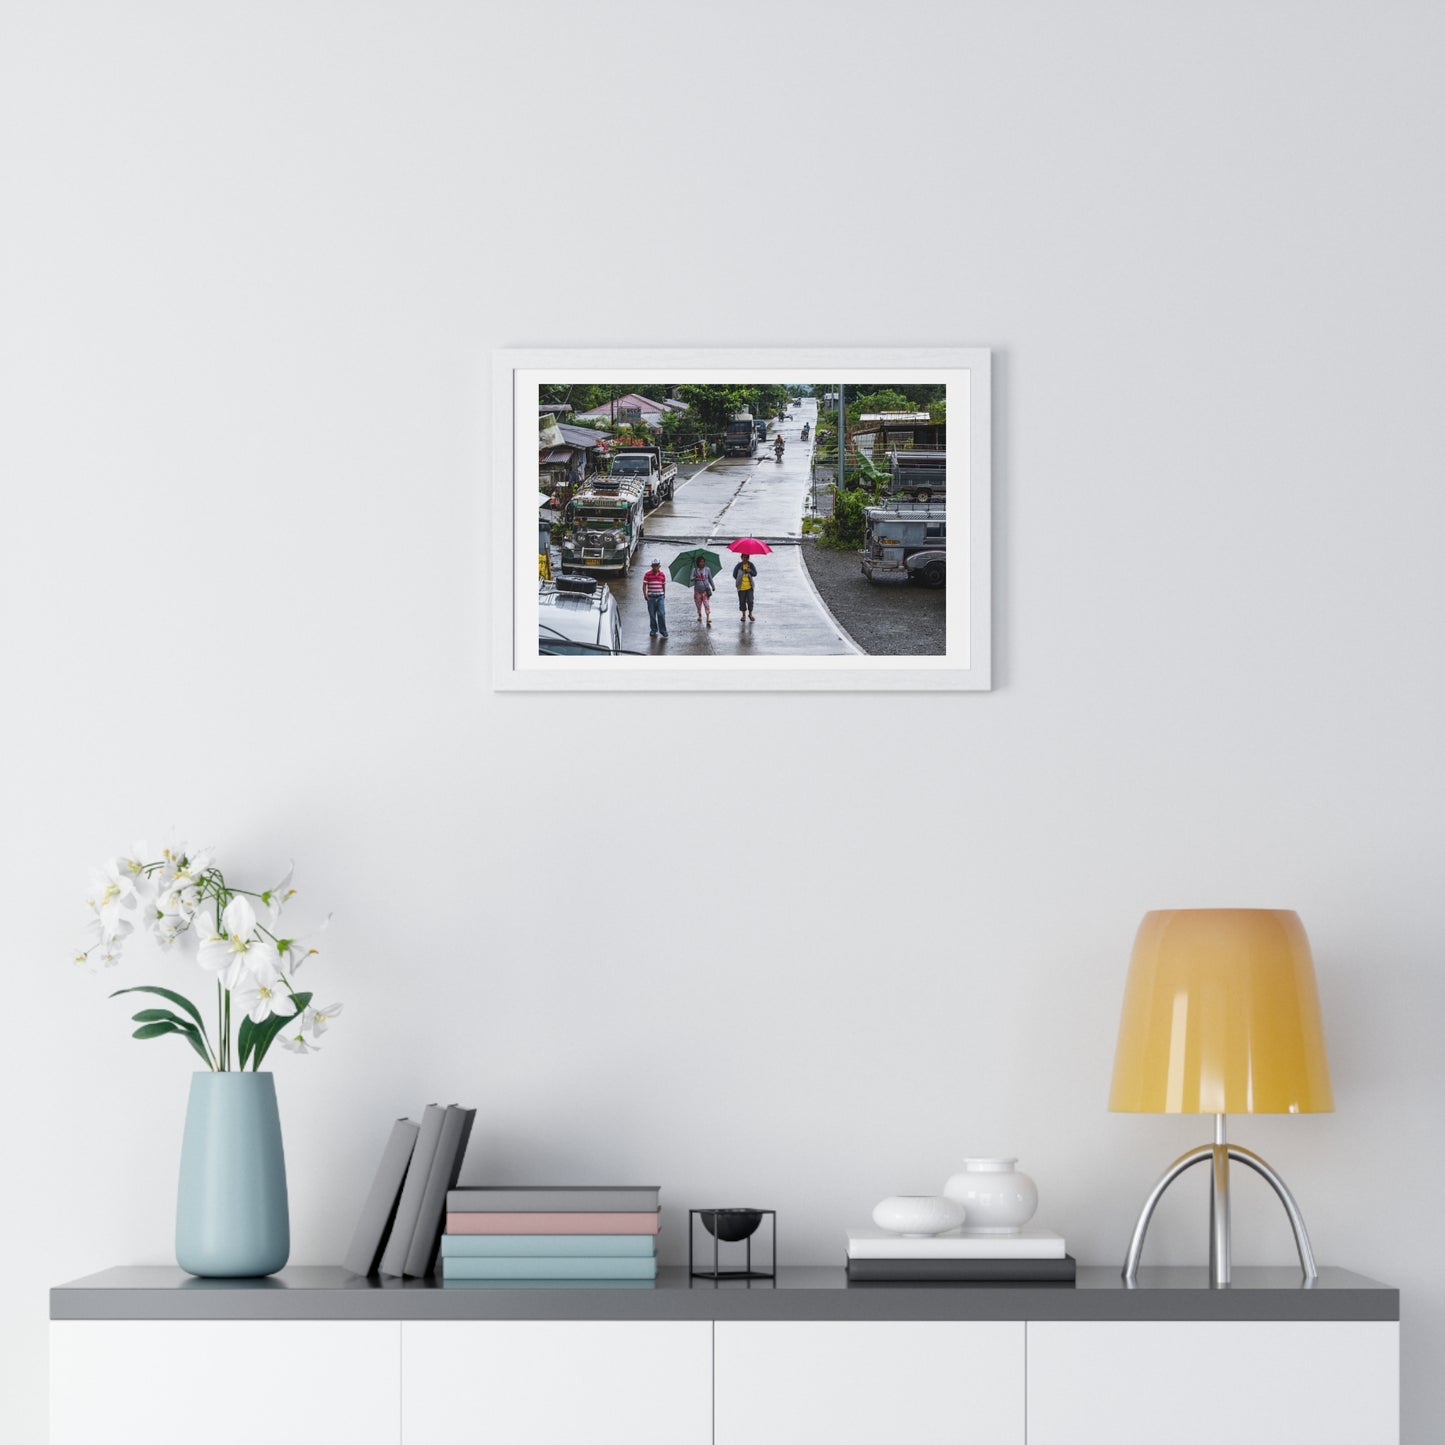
[{"x": 231, "y": 1217}]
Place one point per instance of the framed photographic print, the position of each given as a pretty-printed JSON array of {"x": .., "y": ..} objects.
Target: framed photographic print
[{"x": 737, "y": 519}]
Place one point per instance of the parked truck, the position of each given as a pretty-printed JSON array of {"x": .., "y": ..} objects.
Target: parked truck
[
  {"x": 921, "y": 476},
  {"x": 740, "y": 439},
  {"x": 645, "y": 464}
]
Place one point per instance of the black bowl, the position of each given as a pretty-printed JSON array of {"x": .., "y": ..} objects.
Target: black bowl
[{"x": 730, "y": 1225}]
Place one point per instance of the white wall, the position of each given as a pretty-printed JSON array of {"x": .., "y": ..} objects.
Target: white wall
[{"x": 254, "y": 261}]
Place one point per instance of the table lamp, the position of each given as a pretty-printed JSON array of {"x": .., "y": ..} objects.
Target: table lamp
[{"x": 1221, "y": 1016}]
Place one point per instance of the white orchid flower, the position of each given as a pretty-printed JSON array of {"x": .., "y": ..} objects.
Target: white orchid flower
[
  {"x": 180, "y": 861},
  {"x": 294, "y": 952},
  {"x": 170, "y": 860},
  {"x": 97, "y": 938},
  {"x": 175, "y": 912},
  {"x": 277, "y": 897},
  {"x": 134, "y": 864},
  {"x": 321, "y": 1017},
  {"x": 179, "y": 901},
  {"x": 230, "y": 949},
  {"x": 261, "y": 1000},
  {"x": 104, "y": 941},
  {"x": 190, "y": 866},
  {"x": 293, "y": 1036},
  {"x": 263, "y": 961},
  {"x": 111, "y": 890}
]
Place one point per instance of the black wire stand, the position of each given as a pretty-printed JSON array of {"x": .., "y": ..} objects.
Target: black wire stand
[{"x": 720, "y": 1270}]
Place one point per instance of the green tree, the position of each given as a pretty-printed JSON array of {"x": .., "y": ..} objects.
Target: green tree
[{"x": 870, "y": 402}]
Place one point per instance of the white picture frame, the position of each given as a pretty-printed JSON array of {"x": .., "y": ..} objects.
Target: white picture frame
[{"x": 965, "y": 665}]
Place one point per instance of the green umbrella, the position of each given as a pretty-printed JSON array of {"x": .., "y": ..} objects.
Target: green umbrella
[{"x": 682, "y": 565}]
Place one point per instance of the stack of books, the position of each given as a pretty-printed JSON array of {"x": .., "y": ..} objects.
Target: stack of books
[
  {"x": 497, "y": 1232},
  {"x": 1032, "y": 1256}
]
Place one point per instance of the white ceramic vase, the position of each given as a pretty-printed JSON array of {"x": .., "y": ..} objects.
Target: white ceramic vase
[
  {"x": 998, "y": 1199},
  {"x": 915, "y": 1216}
]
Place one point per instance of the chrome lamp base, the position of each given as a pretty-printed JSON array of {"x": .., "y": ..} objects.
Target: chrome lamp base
[{"x": 1219, "y": 1154}]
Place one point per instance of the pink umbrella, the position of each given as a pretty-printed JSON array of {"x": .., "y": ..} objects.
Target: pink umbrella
[{"x": 749, "y": 547}]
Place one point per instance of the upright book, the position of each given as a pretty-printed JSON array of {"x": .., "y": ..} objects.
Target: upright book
[
  {"x": 364, "y": 1253},
  {"x": 408, "y": 1207},
  {"x": 446, "y": 1165}
]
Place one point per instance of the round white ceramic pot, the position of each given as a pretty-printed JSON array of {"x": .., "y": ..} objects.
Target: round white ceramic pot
[
  {"x": 917, "y": 1215},
  {"x": 999, "y": 1199}
]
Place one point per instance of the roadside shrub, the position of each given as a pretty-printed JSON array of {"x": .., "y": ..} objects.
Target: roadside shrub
[{"x": 843, "y": 531}]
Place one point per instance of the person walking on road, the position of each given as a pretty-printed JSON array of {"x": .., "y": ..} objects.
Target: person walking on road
[
  {"x": 745, "y": 575},
  {"x": 654, "y": 589},
  {"x": 702, "y": 588}
]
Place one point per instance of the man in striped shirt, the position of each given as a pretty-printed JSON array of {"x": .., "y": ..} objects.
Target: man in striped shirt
[{"x": 654, "y": 588}]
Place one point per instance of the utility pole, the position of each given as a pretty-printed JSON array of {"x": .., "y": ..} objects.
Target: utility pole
[{"x": 842, "y": 436}]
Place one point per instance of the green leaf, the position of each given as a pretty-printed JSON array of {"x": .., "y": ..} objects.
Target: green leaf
[
  {"x": 265, "y": 1033},
  {"x": 192, "y": 1033},
  {"x": 156, "y": 1015},
  {"x": 154, "y": 1031},
  {"x": 175, "y": 998},
  {"x": 194, "y": 1040},
  {"x": 245, "y": 1038}
]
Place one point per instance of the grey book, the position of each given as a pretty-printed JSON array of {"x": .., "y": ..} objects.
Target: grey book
[
  {"x": 962, "y": 1271},
  {"x": 554, "y": 1199},
  {"x": 446, "y": 1165},
  {"x": 408, "y": 1207},
  {"x": 379, "y": 1210}
]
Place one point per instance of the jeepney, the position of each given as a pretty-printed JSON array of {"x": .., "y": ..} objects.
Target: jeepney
[
  {"x": 602, "y": 525},
  {"x": 906, "y": 542}
]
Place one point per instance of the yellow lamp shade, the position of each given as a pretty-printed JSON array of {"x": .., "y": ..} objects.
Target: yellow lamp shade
[{"x": 1221, "y": 1016}]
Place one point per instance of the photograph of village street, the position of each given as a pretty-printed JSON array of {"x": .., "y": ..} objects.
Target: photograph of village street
[{"x": 805, "y": 519}]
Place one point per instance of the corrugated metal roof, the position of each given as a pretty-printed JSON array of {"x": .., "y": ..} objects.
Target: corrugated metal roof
[
  {"x": 631, "y": 399},
  {"x": 580, "y": 436}
]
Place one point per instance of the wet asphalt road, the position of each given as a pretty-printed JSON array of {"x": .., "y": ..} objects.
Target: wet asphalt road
[{"x": 737, "y": 497}]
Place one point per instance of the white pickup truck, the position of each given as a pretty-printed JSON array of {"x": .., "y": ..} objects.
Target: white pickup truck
[{"x": 645, "y": 464}]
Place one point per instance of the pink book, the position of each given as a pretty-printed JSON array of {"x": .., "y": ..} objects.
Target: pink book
[{"x": 554, "y": 1223}]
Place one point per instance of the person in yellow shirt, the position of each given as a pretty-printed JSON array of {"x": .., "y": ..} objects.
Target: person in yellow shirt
[{"x": 745, "y": 575}]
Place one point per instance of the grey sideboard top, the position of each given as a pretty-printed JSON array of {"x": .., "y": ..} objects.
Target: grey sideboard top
[{"x": 800, "y": 1293}]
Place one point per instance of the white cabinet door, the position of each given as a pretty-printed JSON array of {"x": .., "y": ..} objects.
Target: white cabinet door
[
  {"x": 556, "y": 1382},
  {"x": 1251, "y": 1383},
  {"x": 225, "y": 1382},
  {"x": 866, "y": 1383}
]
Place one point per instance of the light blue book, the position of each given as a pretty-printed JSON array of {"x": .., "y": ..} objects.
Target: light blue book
[
  {"x": 548, "y": 1246},
  {"x": 578, "y": 1267}
]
